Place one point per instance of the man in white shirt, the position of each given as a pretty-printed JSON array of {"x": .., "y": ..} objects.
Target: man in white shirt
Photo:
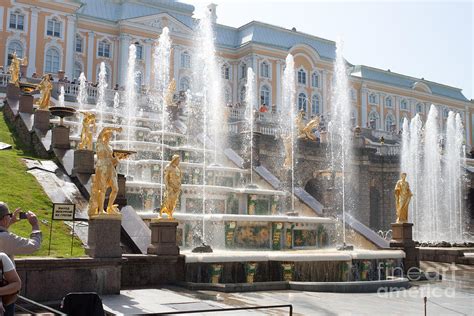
[{"x": 13, "y": 244}]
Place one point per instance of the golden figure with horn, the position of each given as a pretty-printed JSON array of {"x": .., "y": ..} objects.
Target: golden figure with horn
[
  {"x": 306, "y": 131},
  {"x": 402, "y": 198},
  {"x": 88, "y": 129},
  {"x": 105, "y": 176},
  {"x": 172, "y": 181},
  {"x": 45, "y": 86}
]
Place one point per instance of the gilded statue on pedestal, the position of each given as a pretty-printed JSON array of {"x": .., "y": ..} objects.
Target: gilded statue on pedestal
[
  {"x": 105, "y": 175},
  {"x": 402, "y": 198},
  {"x": 45, "y": 86},
  {"x": 306, "y": 131},
  {"x": 88, "y": 129},
  {"x": 170, "y": 94},
  {"x": 288, "y": 151},
  {"x": 172, "y": 183},
  {"x": 15, "y": 69}
]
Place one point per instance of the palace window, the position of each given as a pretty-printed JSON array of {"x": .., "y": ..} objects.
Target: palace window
[
  {"x": 79, "y": 44},
  {"x": 265, "y": 69},
  {"x": 15, "y": 47},
  {"x": 185, "y": 60},
  {"x": 184, "y": 84},
  {"x": 53, "y": 28},
  {"x": 404, "y": 105},
  {"x": 316, "y": 105},
  {"x": 353, "y": 95},
  {"x": 227, "y": 96},
  {"x": 419, "y": 108},
  {"x": 373, "y": 98},
  {"x": 104, "y": 49},
  {"x": 139, "y": 51},
  {"x": 373, "y": 120},
  {"x": 17, "y": 20},
  {"x": 52, "y": 61},
  {"x": 446, "y": 113},
  {"x": 302, "y": 106},
  {"x": 225, "y": 72},
  {"x": 243, "y": 71},
  {"x": 388, "y": 102},
  {"x": 315, "y": 80},
  {"x": 389, "y": 121},
  {"x": 265, "y": 95},
  {"x": 77, "y": 70},
  {"x": 243, "y": 91},
  {"x": 301, "y": 76}
]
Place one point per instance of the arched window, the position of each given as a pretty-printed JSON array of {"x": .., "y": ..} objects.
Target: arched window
[
  {"x": 374, "y": 120},
  {"x": 104, "y": 49},
  {"x": 445, "y": 113},
  {"x": 315, "y": 80},
  {"x": 228, "y": 95},
  {"x": 316, "y": 105},
  {"x": 389, "y": 122},
  {"x": 265, "y": 69},
  {"x": 15, "y": 47},
  {"x": 388, "y": 102},
  {"x": 419, "y": 107},
  {"x": 243, "y": 71},
  {"x": 373, "y": 98},
  {"x": 185, "y": 60},
  {"x": 225, "y": 72},
  {"x": 79, "y": 44},
  {"x": 301, "y": 76},
  {"x": 17, "y": 20},
  {"x": 53, "y": 27},
  {"x": 77, "y": 70},
  {"x": 52, "y": 61},
  {"x": 242, "y": 94},
  {"x": 139, "y": 51},
  {"x": 265, "y": 96},
  {"x": 184, "y": 84},
  {"x": 302, "y": 106},
  {"x": 404, "y": 105}
]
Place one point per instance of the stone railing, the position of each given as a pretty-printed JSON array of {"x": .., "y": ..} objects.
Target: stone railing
[
  {"x": 4, "y": 78},
  {"x": 72, "y": 90},
  {"x": 385, "y": 150}
]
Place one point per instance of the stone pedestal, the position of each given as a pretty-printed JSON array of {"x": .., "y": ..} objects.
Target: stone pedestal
[
  {"x": 13, "y": 92},
  {"x": 163, "y": 238},
  {"x": 41, "y": 120},
  {"x": 60, "y": 137},
  {"x": 83, "y": 161},
  {"x": 26, "y": 103},
  {"x": 402, "y": 238},
  {"x": 121, "y": 200},
  {"x": 104, "y": 237}
]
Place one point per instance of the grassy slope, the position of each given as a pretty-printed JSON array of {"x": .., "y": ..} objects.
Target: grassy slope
[{"x": 20, "y": 189}]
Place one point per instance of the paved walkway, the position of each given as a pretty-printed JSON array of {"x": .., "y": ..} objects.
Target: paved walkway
[{"x": 452, "y": 296}]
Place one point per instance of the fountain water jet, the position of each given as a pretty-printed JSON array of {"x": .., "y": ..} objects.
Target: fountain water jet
[
  {"x": 61, "y": 97},
  {"x": 130, "y": 95},
  {"x": 251, "y": 104},
  {"x": 101, "y": 87}
]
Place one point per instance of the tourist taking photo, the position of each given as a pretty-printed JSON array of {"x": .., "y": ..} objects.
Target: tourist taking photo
[{"x": 10, "y": 285}]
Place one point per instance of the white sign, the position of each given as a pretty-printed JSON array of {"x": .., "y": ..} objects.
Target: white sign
[{"x": 63, "y": 212}]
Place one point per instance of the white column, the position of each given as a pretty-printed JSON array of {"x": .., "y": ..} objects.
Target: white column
[
  {"x": 363, "y": 100},
  {"x": 70, "y": 39},
  {"x": 176, "y": 63},
  {"x": 278, "y": 84},
  {"x": 412, "y": 107},
  {"x": 382, "y": 105},
  {"x": 324, "y": 92},
  {"x": 468, "y": 126},
  {"x": 148, "y": 64},
  {"x": 124, "y": 47},
  {"x": 235, "y": 81},
  {"x": 1, "y": 18},
  {"x": 396, "y": 104},
  {"x": 32, "y": 49},
  {"x": 90, "y": 55}
]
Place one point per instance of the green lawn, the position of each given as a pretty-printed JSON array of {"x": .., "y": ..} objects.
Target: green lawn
[{"x": 20, "y": 189}]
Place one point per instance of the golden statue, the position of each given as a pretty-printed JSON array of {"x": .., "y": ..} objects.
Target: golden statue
[
  {"x": 402, "y": 198},
  {"x": 288, "y": 151},
  {"x": 88, "y": 129},
  {"x": 173, "y": 187},
  {"x": 15, "y": 69},
  {"x": 105, "y": 176},
  {"x": 170, "y": 94},
  {"x": 45, "y": 86},
  {"x": 306, "y": 131}
]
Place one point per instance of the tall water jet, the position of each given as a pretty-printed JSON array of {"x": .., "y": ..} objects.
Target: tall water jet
[
  {"x": 81, "y": 96},
  {"x": 61, "y": 96},
  {"x": 432, "y": 181},
  {"x": 101, "y": 104},
  {"x": 161, "y": 67},
  {"x": 116, "y": 110},
  {"x": 413, "y": 168},
  {"x": 288, "y": 117},
  {"x": 130, "y": 93},
  {"x": 340, "y": 134},
  {"x": 206, "y": 87},
  {"x": 251, "y": 104}
]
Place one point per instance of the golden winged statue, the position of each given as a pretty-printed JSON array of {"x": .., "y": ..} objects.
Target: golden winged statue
[{"x": 305, "y": 131}]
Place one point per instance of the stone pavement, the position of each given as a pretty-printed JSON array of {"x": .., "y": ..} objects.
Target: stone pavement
[{"x": 452, "y": 296}]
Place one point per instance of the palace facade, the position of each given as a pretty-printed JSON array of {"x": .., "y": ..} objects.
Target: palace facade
[{"x": 77, "y": 35}]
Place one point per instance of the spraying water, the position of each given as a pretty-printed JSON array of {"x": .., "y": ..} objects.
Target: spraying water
[
  {"x": 161, "y": 57},
  {"x": 61, "y": 96},
  {"x": 251, "y": 104},
  {"x": 82, "y": 96},
  {"x": 130, "y": 96},
  {"x": 339, "y": 129},
  {"x": 101, "y": 104},
  {"x": 115, "y": 118},
  {"x": 289, "y": 116}
]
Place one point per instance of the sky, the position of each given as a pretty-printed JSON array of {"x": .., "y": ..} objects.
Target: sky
[{"x": 423, "y": 39}]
